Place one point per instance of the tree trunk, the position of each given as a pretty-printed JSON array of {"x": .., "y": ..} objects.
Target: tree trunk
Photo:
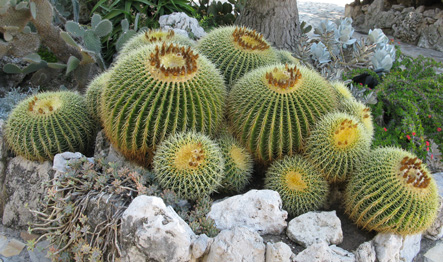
[{"x": 277, "y": 20}]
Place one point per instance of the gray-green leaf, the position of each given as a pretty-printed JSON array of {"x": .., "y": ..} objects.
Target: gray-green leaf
[
  {"x": 96, "y": 18},
  {"x": 72, "y": 64},
  {"x": 56, "y": 65},
  {"x": 103, "y": 28},
  {"x": 33, "y": 10},
  {"x": 125, "y": 25},
  {"x": 68, "y": 39},
  {"x": 75, "y": 29},
  {"x": 34, "y": 67},
  {"x": 32, "y": 58},
  {"x": 11, "y": 69}
]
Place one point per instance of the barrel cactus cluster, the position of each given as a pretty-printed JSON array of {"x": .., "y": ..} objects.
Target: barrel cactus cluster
[{"x": 201, "y": 114}]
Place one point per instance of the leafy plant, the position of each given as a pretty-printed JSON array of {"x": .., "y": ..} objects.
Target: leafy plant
[
  {"x": 12, "y": 98},
  {"x": 217, "y": 13}
]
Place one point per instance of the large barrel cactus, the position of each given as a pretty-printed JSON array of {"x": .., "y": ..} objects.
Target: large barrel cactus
[
  {"x": 337, "y": 145},
  {"x": 393, "y": 191},
  {"x": 154, "y": 37},
  {"x": 190, "y": 164},
  {"x": 361, "y": 112},
  {"x": 160, "y": 90},
  {"x": 236, "y": 51},
  {"x": 272, "y": 109},
  {"x": 49, "y": 123},
  {"x": 302, "y": 188}
]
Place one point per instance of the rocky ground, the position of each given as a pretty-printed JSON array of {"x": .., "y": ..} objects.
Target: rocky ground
[{"x": 12, "y": 242}]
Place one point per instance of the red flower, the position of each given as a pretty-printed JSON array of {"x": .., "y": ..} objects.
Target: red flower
[
  {"x": 438, "y": 129},
  {"x": 432, "y": 156},
  {"x": 384, "y": 128},
  {"x": 398, "y": 42},
  {"x": 427, "y": 149},
  {"x": 427, "y": 143},
  {"x": 413, "y": 133},
  {"x": 408, "y": 137},
  {"x": 429, "y": 116}
]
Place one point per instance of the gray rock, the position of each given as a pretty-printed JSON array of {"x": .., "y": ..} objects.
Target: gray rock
[
  {"x": 182, "y": 21},
  {"x": 420, "y": 9},
  {"x": 429, "y": 13},
  {"x": 237, "y": 244},
  {"x": 435, "y": 231},
  {"x": 24, "y": 189},
  {"x": 387, "y": 247},
  {"x": 321, "y": 252},
  {"x": 409, "y": 29},
  {"x": 313, "y": 227},
  {"x": 365, "y": 253},
  {"x": 153, "y": 232},
  {"x": 259, "y": 210},
  {"x": 397, "y": 7},
  {"x": 38, "y": 254},
  {"x": 434, "y": 254},
  {"x": 200, "y": 246},
  {"x": 278, "y": 252}
]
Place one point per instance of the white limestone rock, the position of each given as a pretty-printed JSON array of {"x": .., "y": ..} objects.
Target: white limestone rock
[
  {"x": 278, "y": 252},
  {"x": 314, "y": 227},
  {"x": 61, "y": 161},
  {"x": 237, "y": 244},
  {"x": 410, "y": 247},
  {"x": 434, "y": 254},
  {"x": 183, "y": 22},
  {"x": 321, "y": 252},
  {"x": 153, "y": 232},
  {"x": 259, "y": 210},
  {"x": 387, "y": 247},
  {"x": 200, "y": 246},
  {"x": 365, "y": 252}
]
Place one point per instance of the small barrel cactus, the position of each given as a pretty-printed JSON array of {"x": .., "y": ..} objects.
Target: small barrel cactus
[
  {"x": 337, "y": 145},
  {"x": 393, "y": 191},
  {"x": 302, "y": 188},
  {"x": 154, "y": 37},
  {"x": 93, "y": 94},
  {"x": 49, "y": 123},
  {"x": 236, "y": 51},
  {"x": 343, "y": 92},
  {"x": 361, "y": 112},
  {"x": 190, "y": 164},
  {"x": 272, "y": 109},
  {"x": 160, "y": 90},
  {"x": 238, "y": 164}
]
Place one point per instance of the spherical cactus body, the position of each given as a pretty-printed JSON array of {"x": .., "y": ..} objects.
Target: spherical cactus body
[
  {"x": 49, "y": 123},
  {"x": 337, "y": 145},
  {"x": 236, "y": 51},
  {"x": 302, "y": 188},
  {"x": 238, "y": 164},
  {"x": 93, "y": 94},
  {"x": 272, "y": 109},
  {"x": 154, "y": 37},
  {"x": 361, "y": 112},
  {"x": 393, "y": 192},
  {"x": 343, "y": 93},
  {"x": 190, "y": 164},
  {"x": 160, "y": 90},
  {"x": 285, "y": 57}
]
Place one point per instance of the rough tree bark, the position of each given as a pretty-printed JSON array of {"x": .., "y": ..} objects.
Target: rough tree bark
[{"x": 277, "y": 20}]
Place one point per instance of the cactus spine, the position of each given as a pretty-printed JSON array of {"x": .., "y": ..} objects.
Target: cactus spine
[
  {"x": 190, "y": 164},
  {"x": 336, "y": 145},
  {"x": 302, "y": 188},
  {"x": 272, "y": 109},
  {"x": 49, "y": 123},
  {"x": 154, "y": 37},
  {"x": 238, "y": 164},
  {"x": 361, "y": 112},
  {"x": 93, "y": 94},
  {"x": 393, "y": 191},
  {"x": 236, "y": 51},
  {"x": 160, "y": 90}
]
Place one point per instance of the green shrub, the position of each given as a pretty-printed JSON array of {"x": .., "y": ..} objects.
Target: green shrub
[{"x": 409, "y": 111}]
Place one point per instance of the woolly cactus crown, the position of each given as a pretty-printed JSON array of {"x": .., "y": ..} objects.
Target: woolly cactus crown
[
  {"x": 272, "y": 109},
  {"x": 49, "y": 123},
  {"x": 157, "y": 91}
]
